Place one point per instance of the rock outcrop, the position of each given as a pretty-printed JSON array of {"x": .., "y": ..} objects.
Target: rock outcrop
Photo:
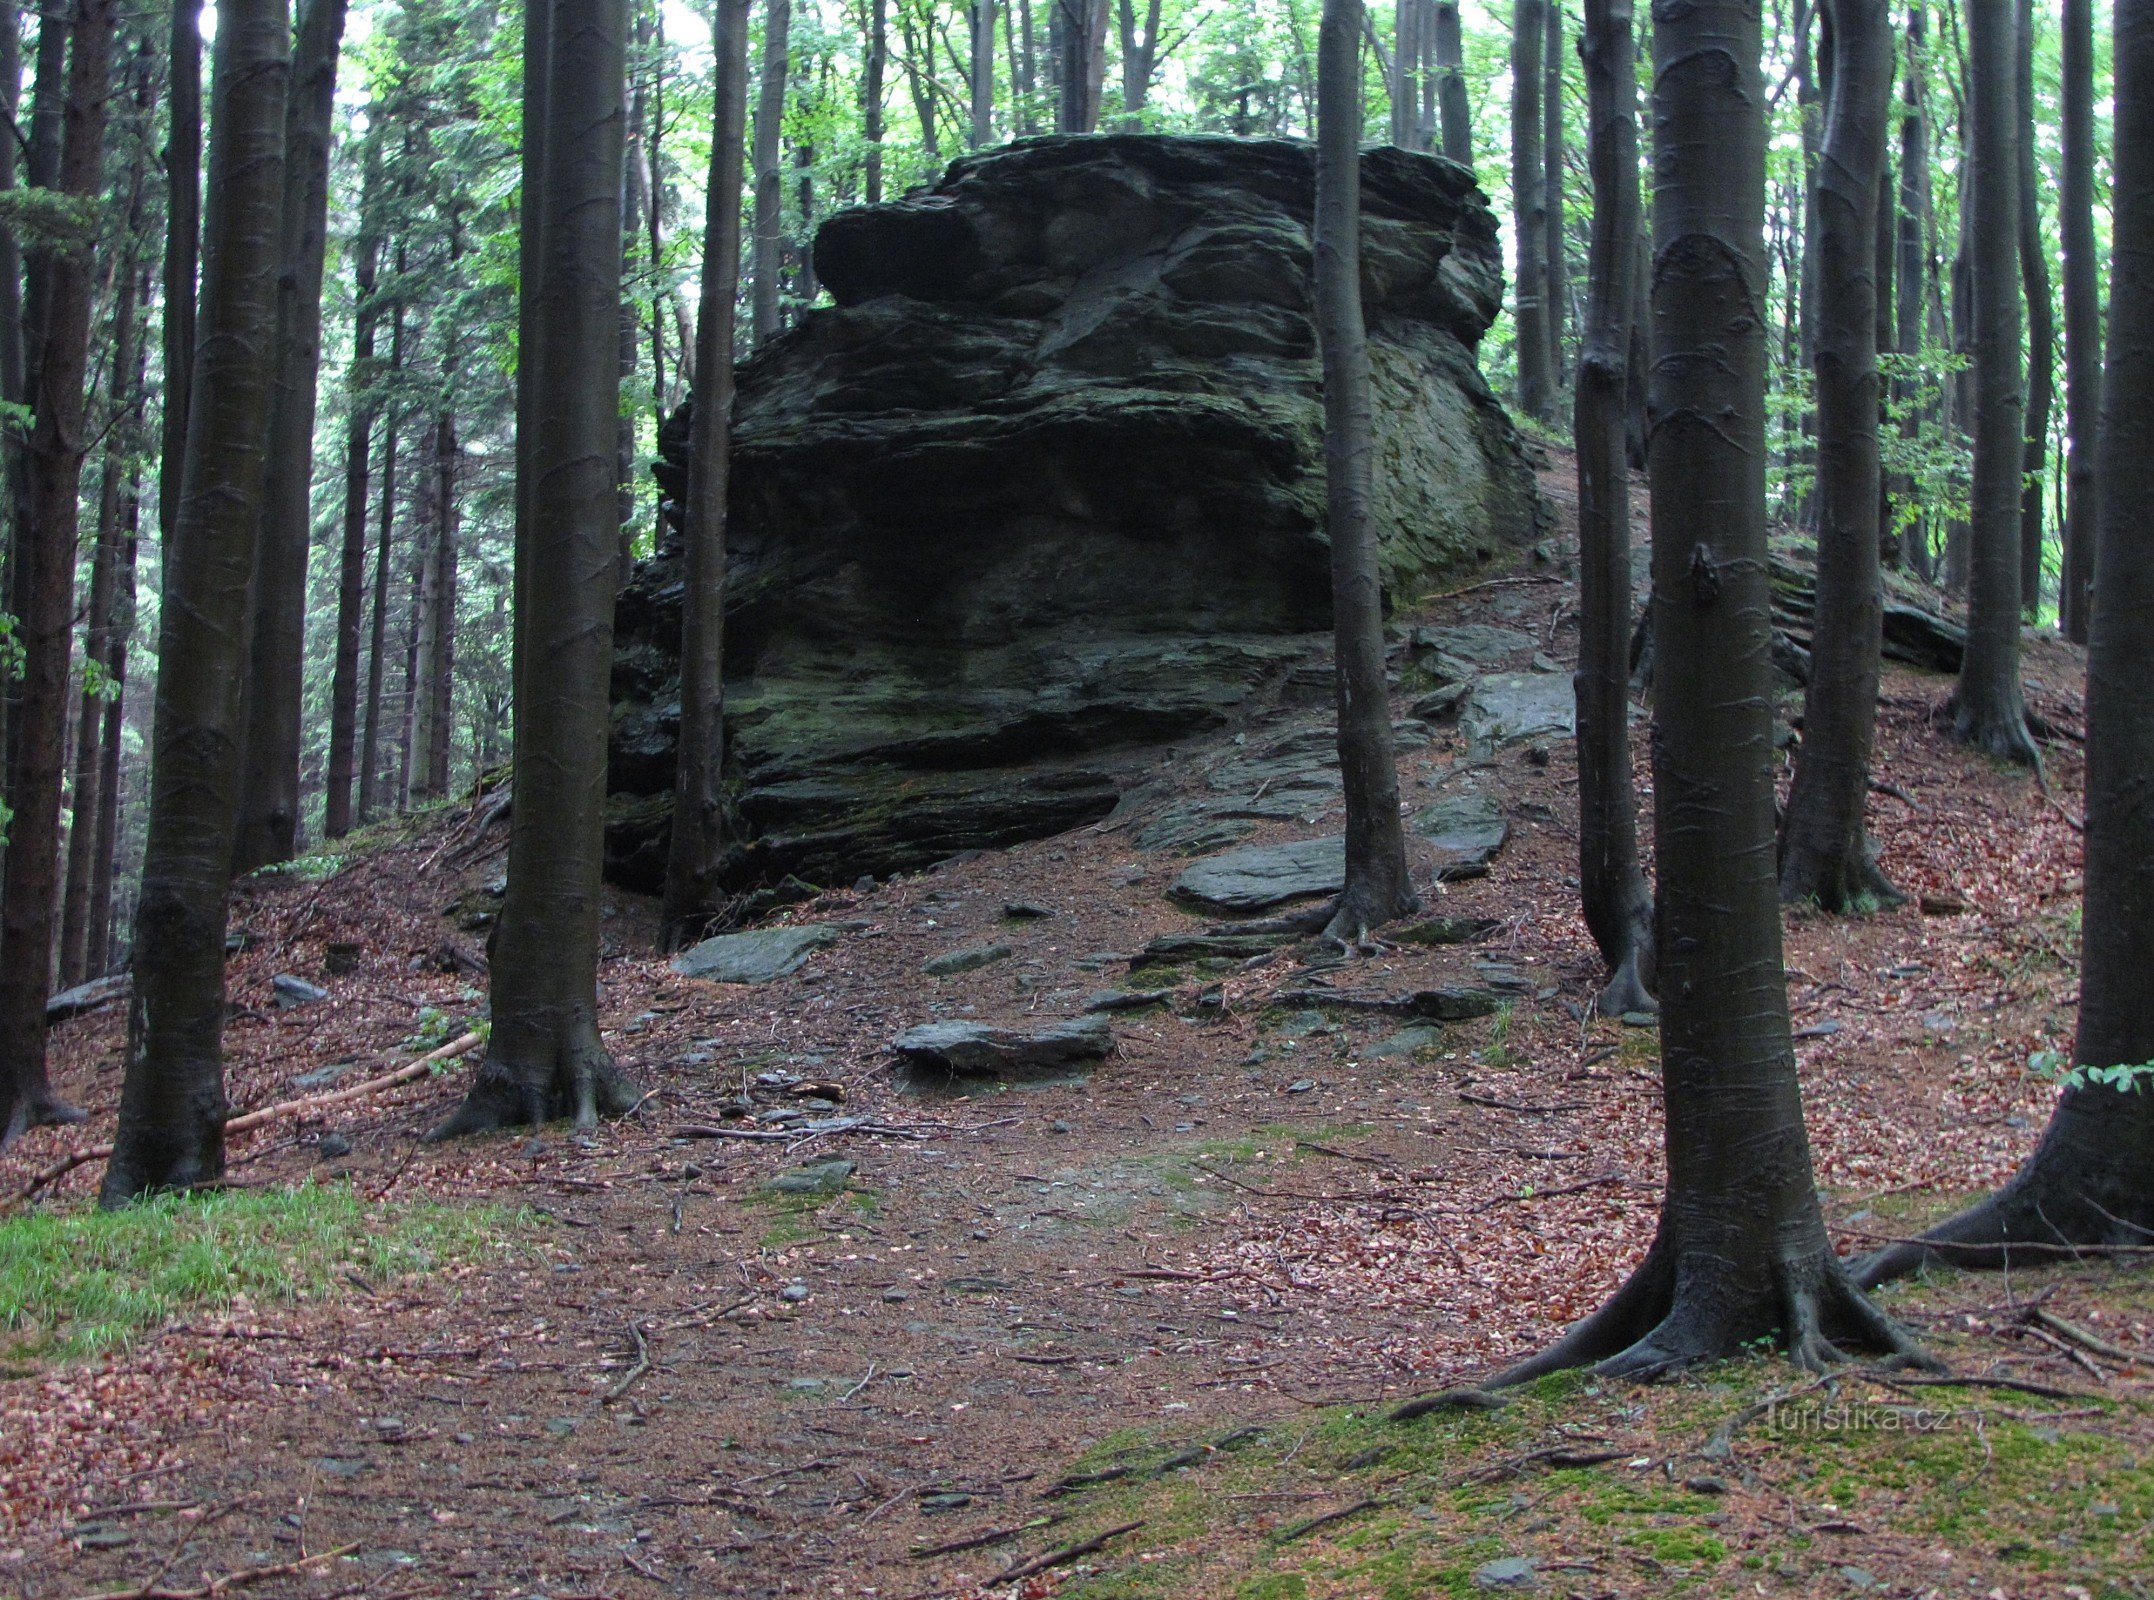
[{"x": 1045, "y": 488}]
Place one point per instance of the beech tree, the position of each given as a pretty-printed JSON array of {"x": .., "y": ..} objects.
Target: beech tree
[
  {"x": 2082, "y": 319},
  {"x": 1741, "y": 1252},
  {"x": 698, "y": 793},
  {"x": 2090, "y": 1182},
  {"x": 45, "y": 543},
  {"x": 769, "y": 179},
  {"x": 171, "y": 1127},
  {"x": 1529, "y": 212},
  {"x": 1618, "y": 905},
  {"x": 269, "y": 796},
  {"x": 1990, "y": 708},
  {"x": 545, "y": 1059},
  {"x": 1377, "y": 888},
  {"x": 1825, "y": 853},
  {"x": 2041, "y": 317}
]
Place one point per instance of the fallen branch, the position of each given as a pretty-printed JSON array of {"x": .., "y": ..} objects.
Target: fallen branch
[
  {"x": 1489, "y": 583},
  {"x": 1464, "y": 1399},
  {"x": 637, "y": 1368},
  {"x": 244, "y": 1578},
  {"x": 1062, "y": 1557},
  {"x": 1949, "y": 1248},
  {"x": 1559, "y": 1189},
  {"x": 980, "y": 1541},
  {"x": 282, "y": 1112},
  {"x": 2016, "y": 1385},
  {"x": 1302, "y": 1530},
  {"x": 2080, "y": 1336}
]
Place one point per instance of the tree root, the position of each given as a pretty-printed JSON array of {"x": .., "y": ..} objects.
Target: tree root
[
  {"x": 1668, "y": 1318},
  {"x": 1357, "y": 913},
  {"x": 2027, "y": 1217},
  {"x": 580, "y": 1081},
  {"x": 39, "y": 1110},
  {"x": 1626, "y": 991},
  {"x": 2006, "y": 739}
]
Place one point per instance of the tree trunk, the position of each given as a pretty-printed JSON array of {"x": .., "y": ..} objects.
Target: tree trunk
[
  {"x": 1377, "y": 888},
  {"x": 980, "y": 73},
  {"x": 1913, "y": 266},
  {"x": 171, "y": 1128},
  {"x": 1618, "y": 905},
  {"x": 183, "y": 247},
  {"x": 1455, "y": 114},
  {"x": 1555, "y": 252},
  {"x": 362, "y": 381},
  {"x": 2091, "y": 1180},
  {"x": 2041, "y": 327},
  {"x": 438, "y": 665},
  {"x": 769, "y": 177},
  {"x": 699, "y": 830},
  {"x": 1529, "y": 199},
  {"x": 45, "y": 548},
  {"x": 1077, "y": 44},
  {"x": 1140, "y": 58},
  {"x": 871, "y": 99},
  {"x": 1741, "y": 1252},
  {"x": 97, "y": 960},
  {"x": 370, "y": 774},
  {"x": 1405, "y": 69},
  {"x": 545, "y": 1058},
  {"x": 2082, "y": 321},
  {"x": 276, "y": 670},
  {"x": 87, "y": 798},
  {"x": 14, "y": 381},
  {"x": 1991, "y": 714},
  {"x": 1824, "y": 848}
]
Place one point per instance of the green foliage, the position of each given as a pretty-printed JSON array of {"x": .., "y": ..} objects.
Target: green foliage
[
  {"x": 73, "y": 1284},
  {"x": 1929, "y": 468},
  {"x": 2057, "y": 1067}
]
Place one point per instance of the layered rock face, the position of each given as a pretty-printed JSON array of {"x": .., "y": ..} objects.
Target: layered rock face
[{"x": 1045, "y": 488}]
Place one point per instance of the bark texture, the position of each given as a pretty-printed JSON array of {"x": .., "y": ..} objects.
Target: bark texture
[
  {"x": 358, "y": 459},
  {"x": 171, "y": 1128},
  {"x": 1990, "y": 709},
  {"x": 2041, "y": 324},
  {"x": 44, "y": 587},
  {"x": 545, "y": 1059},
  {"x": 1742, "y": 1250},
  {"x": 2082, "y": 321},
  {"x": 1377, "y": 889},
  {"x": 769, "y": 175},
  {"x": 1824, "y": 848},
  {"x": 1454, "y": 112},
  {"x": 699, "y": 813},
  {"x": 276, "y": 668},
  {"x": 1529, "y": 195},
  {"x": 1618, "y": 905},
  {"x": 2090, "y": 1182}
]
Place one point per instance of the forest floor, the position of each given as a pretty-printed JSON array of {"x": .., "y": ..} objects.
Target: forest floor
[{"x": 1147, "y": 1321}]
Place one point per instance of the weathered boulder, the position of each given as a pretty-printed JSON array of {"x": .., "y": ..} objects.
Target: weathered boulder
[
  {"x": 761, "y": 955},
  {"x": 1260, "y": 876},
  {"x": 984, "y": 1050},
  {"x": 1044, "y": 488}
]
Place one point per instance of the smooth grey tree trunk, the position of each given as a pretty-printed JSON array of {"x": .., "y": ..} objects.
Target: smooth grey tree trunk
[
  {"x": 1618, "y": 905},
  {"x": 2082, "y": 321},
  {"x": 2041, "y": 324},
  {"x": 1741, "y": 1253},
  {"x": 1825, "y": 853},
  {"x": 545, "y": 1058},
  {"x": 1377, "y": 889},
  {"x": 1990, "y": 710},
  {"x": 769, "y": 176},
  {"x": 1454, "y": 113},
  {"x": 2090, "y": 1182},
  {"x": 171, "y": 1127},
  {"x": 362, "y": 382},
  {"x": 1529, "y": 201},
  {"x": 699, "y": 812}
]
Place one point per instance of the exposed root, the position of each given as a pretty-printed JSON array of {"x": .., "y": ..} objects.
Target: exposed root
[
  {"x": 1360, "y": 911},
  {"x": 41, "y": 1110},
  {"x": 2008, "y": 739},
  {"x": 2025, "y": 1219},
  {"x": 1626, "y": 991},
  {"x": 580, "y": 1081}
]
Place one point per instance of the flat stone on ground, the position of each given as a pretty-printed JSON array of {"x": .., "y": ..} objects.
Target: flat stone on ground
[
  {"x": 969, "y": 959},
  {"x": 757, "y": 956},
  {"x": 1468, "y": 829},
  {"x": 1510, "y": 707},
  {"x": 815, "y": 1177},
  {"x": 1473, "y": 641},
  {"x": 1261, "y": 876},
  {"x": 983, "y": 1050}
]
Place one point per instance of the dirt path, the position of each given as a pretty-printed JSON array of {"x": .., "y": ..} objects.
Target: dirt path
[{"x": 671, "y": 1380}]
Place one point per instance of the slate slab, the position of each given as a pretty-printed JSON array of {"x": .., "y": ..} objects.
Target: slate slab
[
  {"x": 1473, "y": 641},
  {"x": 970, "y": 959},
  {"x": 814, "y": 1178},
  {"x": 985, "y": 1050},
  {"x": 1261, "y": 876},
  {"x": 89, "y": 996},
  {"x": 1508, "y": 707},
  {"x": 757, "y": 956},
  {"x": 1467, "y": 829}
]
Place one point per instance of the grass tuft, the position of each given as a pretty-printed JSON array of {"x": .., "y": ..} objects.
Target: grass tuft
[{"x": 77, "y": 1283}]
